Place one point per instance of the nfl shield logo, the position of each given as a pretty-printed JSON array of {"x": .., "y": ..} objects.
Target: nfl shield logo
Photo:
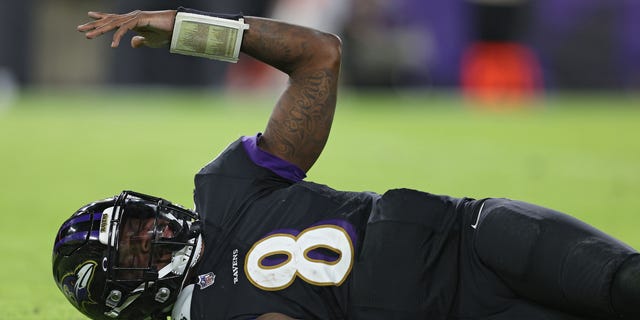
[{"x": 206, "y": 280}]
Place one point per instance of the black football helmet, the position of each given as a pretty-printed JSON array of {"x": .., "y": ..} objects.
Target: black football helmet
[{"x": 126, "y": 257}]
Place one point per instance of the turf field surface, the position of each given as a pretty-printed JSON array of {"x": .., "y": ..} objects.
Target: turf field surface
[{"x": 576, "y": 153}]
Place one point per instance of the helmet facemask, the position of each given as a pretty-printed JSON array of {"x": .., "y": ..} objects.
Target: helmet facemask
[
  {"x": 152, "y": 245},
  {"x": 143, "y": 247}
]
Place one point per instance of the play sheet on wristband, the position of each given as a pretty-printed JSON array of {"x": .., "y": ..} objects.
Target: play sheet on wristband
[{"x": 207, "y": 37}]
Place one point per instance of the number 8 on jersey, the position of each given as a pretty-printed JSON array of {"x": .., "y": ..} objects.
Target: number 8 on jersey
[{"x": 321, "y": 255}]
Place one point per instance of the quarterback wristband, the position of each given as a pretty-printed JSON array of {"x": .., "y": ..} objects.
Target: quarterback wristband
[{"x": 208, "y": 35}]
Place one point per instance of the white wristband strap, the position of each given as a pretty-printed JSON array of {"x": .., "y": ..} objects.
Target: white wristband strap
[{"x": 207, "y": 37}]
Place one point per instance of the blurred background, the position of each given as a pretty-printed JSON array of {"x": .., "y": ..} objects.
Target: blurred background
[
  {"x": 485, "y": 48},
  {"x": 80, "y": 121}
]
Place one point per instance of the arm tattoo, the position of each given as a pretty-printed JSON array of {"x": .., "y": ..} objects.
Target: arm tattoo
[
  {"x": 302, "y": 128},
  {"x": 299, "y": 125}
]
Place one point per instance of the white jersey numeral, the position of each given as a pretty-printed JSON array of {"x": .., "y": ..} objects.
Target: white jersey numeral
[{"x": 321, "y": 255}]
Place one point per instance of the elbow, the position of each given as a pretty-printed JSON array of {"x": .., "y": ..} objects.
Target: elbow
[
  {"x": 325, "y": 53},
  {"x": 322, "y": 51},
  {"x": 331, "y": 50}
]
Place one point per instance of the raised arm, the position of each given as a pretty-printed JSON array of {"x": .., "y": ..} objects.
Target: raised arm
[
  {"x": 300, "y": 123},
  {"x": 301, "y": 120}
]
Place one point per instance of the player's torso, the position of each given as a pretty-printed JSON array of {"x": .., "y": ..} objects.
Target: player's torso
[
  {"x": 281, "y": 249},
  {"x": 308, "y": 251}
]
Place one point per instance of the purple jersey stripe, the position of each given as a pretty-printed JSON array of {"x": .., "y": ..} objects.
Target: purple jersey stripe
[{"x": 264, "y": 159}]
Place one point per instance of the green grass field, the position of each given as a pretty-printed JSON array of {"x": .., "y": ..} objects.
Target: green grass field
[{"x": 578, "y": 154}]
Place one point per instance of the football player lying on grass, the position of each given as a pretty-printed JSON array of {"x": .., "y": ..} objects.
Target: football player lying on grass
[{"x": 264, "y": 243}]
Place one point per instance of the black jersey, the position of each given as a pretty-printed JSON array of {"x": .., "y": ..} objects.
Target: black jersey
[{"x": 275, "y": 243}]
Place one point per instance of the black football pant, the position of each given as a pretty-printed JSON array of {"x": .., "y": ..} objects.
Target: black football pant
[{"x": 522, "y": 261}]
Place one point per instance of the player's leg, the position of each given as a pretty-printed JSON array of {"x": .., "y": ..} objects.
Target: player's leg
[
  {"x": 556, "y": 260},
  {"x": 625, "y": 293}
]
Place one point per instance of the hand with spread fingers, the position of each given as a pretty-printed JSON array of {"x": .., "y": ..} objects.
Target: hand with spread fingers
[{"x": 153, "y": 28}]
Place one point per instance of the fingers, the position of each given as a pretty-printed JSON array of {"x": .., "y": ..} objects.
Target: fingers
[
  {"x": 123, "y": 28},
  {"x": 92, "y": 25},
  {"x": 138, "y": 41},
  {"x": 105, "y": 22},
  {"x": 96, "y": 15}
]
